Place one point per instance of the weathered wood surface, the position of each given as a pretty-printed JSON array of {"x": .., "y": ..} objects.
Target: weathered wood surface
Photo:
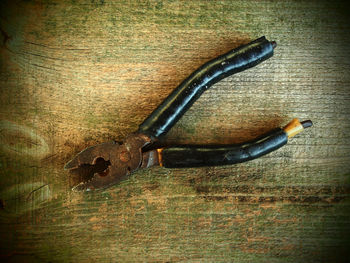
[{"x": 75, "y": 73}]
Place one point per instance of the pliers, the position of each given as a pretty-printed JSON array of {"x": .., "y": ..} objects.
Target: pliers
[{"x": 106, "y": 164}]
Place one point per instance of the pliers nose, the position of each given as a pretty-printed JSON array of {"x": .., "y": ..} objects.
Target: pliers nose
[{"x": 103, "y": 165}]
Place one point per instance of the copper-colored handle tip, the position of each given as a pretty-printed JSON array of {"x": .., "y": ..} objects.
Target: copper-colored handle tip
[
  {"x": 306, "y": 124},
  {"x": 274, "y": 44}
]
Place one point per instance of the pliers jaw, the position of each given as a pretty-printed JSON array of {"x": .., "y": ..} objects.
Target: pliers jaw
[{"x": 106, "y": 164}]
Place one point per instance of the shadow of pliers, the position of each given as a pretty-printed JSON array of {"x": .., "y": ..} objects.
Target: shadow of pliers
[{"x": 106, "y": 164}]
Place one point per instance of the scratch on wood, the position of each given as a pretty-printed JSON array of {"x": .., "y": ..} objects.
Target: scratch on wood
[
  {"x": 33, "y": 191},
  {"x": 56, "y": 48}
]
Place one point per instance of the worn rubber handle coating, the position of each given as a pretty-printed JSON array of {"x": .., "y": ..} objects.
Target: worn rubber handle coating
[
  {"x": 198, "y": 156},
  {"x": 181, "y": 99}
]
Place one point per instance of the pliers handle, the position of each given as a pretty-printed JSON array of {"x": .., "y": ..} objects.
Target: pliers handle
[
  {"x": 182, "y": 156},
  {"x": 181, "y": 99}
]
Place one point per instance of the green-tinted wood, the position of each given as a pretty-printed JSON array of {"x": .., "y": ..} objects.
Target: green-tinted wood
[{"x": 76, "y": 73}]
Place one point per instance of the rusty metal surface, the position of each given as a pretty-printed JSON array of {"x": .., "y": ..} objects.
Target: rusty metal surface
[
  {"x": 150, "y": 158},
  {"x": 105, "y": 164}
]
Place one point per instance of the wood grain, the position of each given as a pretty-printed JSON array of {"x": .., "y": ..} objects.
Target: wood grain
[{"x": 76, "y": 73}]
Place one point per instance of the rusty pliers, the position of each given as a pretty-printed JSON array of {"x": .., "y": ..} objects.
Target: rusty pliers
[{"x": 106, "y": 164}]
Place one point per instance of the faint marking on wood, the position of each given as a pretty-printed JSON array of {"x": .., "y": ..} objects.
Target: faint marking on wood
[{"x": 22, "y": 140}]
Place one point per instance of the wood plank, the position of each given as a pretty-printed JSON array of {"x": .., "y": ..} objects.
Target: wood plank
[{"x": 76, "y": 73}]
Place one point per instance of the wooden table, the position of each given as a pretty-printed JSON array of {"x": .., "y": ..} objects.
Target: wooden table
[{"x": 76, "y": 73}]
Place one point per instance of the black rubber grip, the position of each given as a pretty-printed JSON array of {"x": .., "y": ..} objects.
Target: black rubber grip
[
  {"x": 198, "y": 156},
  {"x": 181, "y": 99}
]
